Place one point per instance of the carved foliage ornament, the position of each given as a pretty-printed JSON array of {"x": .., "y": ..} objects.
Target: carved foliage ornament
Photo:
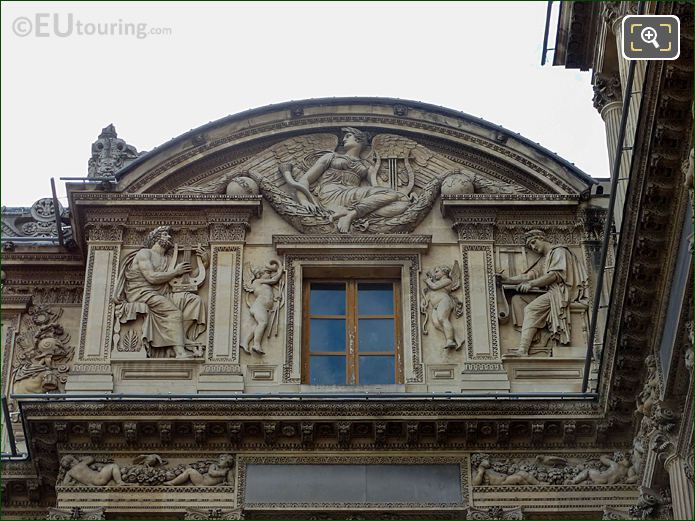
[
  {"x": 387, "y": 184},
  {"x": 607, "y": 89}
]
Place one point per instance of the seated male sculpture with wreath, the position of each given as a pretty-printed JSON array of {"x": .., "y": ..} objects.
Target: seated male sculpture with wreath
[{"x": 173, "y": 319}]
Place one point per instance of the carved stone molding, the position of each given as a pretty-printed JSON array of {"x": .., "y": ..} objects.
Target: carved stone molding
[
  {"x": 340, "y": 120},
  {"x": 105, "y": 232},
  {"x": 610, "y": 513},
  {"x": 494, "y": 513},
  {"x": 473, "y": 226},
  {"x": 76, "y": 513},
  {"x": 640, "y": 278},
  {"x": 567, "y": 233},
  {"x": 177, "y": 431},
  {"x": 212, "y": 513},
  {"x": 336, "y": 242},
  {"x": 45, "y": 292},
  {"x": 227, "y": 232}
]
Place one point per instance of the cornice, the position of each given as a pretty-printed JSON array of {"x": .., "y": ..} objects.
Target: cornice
[{"x": 341, "y": 242}]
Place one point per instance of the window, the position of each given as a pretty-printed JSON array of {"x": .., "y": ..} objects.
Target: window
[{"x": 351, "y": 332}]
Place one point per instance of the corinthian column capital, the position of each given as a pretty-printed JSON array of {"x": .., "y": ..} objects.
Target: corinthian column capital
[{"x": 606, "y": 90}]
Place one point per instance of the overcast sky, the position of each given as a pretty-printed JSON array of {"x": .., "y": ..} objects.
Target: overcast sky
[{"x": 61, "y": 85}]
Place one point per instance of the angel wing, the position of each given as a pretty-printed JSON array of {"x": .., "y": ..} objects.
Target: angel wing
[
  {"x": 430, "y": 165},
  {"x": 455, "y": 277},
  {"x": 298, "y": 151},
  {"x": 248, "y": 277},
  {"x": 427, "y": 164},
  {"x": 425, "y": 304},
  {"x": 278, "y": 304}
]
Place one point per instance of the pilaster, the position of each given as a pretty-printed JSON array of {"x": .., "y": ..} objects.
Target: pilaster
[
  {"x": 92, "y": 370},
  {"x": 222, "y": 371},
  {"x": 483, "y": 369}
]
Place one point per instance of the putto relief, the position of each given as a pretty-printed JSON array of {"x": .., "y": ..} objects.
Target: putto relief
[
  {"x": 439, "y": 301},
  {"x": 384, "y": 184},
  {"x": 544, "y": 297},
  {"x": 160, "y": 283},
  {"x": 264, "y": 287},
  {"x": 546, "y": 469},
  {"x": 146, "y": 470}
]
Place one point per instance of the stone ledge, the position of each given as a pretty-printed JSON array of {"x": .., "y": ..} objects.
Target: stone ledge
[{"x": 340, "y": 242}]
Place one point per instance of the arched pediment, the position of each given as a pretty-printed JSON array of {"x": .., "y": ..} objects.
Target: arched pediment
[{"x": 471, "y": 144}]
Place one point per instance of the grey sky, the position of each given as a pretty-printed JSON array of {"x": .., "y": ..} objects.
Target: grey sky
[{"x": 482, "y": 58}]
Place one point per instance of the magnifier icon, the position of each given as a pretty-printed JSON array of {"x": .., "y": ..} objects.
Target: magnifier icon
[{"x": 648, "y": 35}]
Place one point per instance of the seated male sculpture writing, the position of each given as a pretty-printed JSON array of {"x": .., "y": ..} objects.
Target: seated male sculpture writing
[{"x": 563, "y": 281}]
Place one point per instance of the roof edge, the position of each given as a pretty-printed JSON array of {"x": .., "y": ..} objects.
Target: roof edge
[{"x": 285, "y": 105}]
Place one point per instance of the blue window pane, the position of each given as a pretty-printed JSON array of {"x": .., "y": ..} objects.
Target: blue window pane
[
  {"x": 327, "y": 334},
  {"x": 377, "y": 370},
  {"x": 327, "y": 370},
  {"x": 327, "y": 299},
  {"x": 376, "y": 334},
  {"x": 375, "y": 298}
]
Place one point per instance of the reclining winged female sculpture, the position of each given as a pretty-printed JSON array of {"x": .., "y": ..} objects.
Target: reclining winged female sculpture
[{"x": 384, "y": 184}]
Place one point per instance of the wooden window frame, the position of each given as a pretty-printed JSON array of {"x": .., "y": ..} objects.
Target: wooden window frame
[{"x": 352, "y": 352}]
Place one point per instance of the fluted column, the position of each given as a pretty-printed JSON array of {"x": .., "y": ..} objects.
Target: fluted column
[
  {"x": 608, "y": 101},
  {"x": 633, "y": 112},
  {"x": 681, "y": 487}
]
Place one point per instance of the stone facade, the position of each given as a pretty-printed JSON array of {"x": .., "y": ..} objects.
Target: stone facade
[{"x": 161, "y": 365}]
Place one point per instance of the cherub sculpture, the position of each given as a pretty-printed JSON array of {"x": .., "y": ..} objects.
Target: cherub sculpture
[
  {"x": 616, "y": 471},
  {"x": 484, "y": 474},
  {"x": 266, "y": 306},
  {"x": 82, "y": 471},
  {"x": 217, "y": 473},
  {"x": 438, "y": 297}
]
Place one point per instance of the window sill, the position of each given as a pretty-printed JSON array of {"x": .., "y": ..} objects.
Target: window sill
[{"x": 379, "y": 388}]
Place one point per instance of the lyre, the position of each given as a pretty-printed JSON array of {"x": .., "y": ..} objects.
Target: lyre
[{"x": 188, "y": 281}]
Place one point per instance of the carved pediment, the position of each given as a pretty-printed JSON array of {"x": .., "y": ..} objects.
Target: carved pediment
[
  {"x": 412, "y": 153},
  {"x": 387, "y": 184}
]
